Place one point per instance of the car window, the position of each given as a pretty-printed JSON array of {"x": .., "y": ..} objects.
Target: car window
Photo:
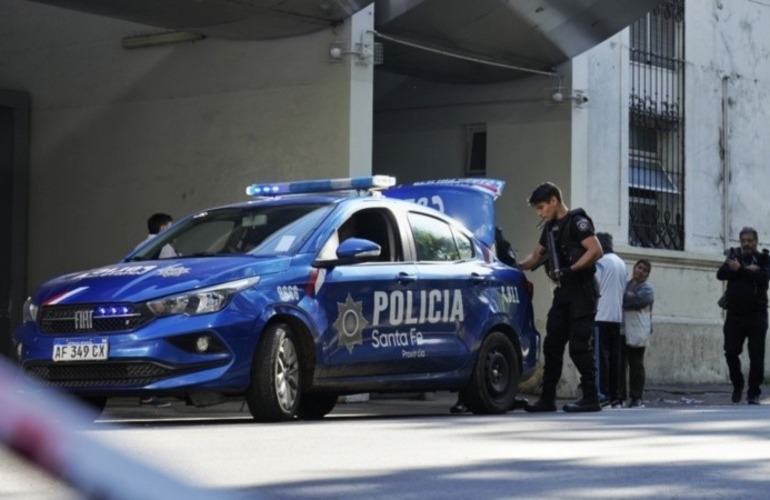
[
  {"x": 288, "y": 238},
  {"x": 373, "y": 224},
  {"x": 464, "y": 245},
  {"x": 433, "y": 238},
  {"x": 256, "y": 230}
]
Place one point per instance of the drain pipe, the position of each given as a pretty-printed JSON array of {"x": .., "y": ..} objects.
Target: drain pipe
[{"x": 725, "y": 153}]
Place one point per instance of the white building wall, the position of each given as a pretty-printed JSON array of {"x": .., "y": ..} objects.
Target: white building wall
[
  {"x": 118, "y": 134},
  {"x": 734, "y": 49},
  {"x": 603, "y": 69},
  {"x": 727, "y": 59}
]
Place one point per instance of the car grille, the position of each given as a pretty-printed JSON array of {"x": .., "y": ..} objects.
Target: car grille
[
  {"x": 81, "y": 375},
  {"x": 92, "y": 318}
]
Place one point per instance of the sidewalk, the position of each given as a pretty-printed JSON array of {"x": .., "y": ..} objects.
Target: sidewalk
[
  {"x": 656, "y": 396},
  {"x": 414, "y": 404},
  {"x": 670, "y": 395}
]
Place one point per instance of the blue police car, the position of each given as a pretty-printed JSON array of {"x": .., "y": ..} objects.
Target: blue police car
[{"x": 313, "y": 290}]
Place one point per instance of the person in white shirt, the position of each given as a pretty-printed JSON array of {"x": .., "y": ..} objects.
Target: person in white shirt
[
  {"x": 611, "y": 274},
  {"x": 155, "y": 224}
]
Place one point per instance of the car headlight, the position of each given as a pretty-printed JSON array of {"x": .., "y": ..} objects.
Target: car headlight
[
  {"x": 203, "y": 301},
  {"x": 29, "y": 311}
]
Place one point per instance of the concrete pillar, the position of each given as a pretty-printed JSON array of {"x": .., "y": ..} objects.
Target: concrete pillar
[
  {"x": 361, "y": 40},
  {"x": 579, "y": 136}
]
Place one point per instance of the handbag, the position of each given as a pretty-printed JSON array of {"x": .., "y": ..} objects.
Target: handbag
[{"x": 722, "y": 302}]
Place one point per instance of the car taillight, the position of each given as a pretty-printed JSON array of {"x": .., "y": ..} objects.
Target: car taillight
[{"x": 530, "y": 288}]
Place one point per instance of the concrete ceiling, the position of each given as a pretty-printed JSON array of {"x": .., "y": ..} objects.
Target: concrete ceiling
[
  {"x": 233, "y": 19},
  {"x": 533, "y": 34}
]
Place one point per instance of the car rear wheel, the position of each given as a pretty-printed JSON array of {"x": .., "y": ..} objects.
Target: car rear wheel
[
  {"x": 495, "y": 379},
  {"x": 316, "y": 406},
  {"x": 274, "y": 392}
]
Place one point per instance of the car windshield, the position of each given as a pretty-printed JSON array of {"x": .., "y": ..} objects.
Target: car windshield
[{"x": 253, "y": 230}]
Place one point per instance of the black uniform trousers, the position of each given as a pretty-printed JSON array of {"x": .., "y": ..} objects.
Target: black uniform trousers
[
  {"x": 571, "y": 320},
  {"x": 738, "y": 329}
]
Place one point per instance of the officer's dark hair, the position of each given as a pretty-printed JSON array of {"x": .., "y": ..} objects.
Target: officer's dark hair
[
  {"x": 749, "y": 230},
  {"x": 605, "y": 240},
  {"x": 157, "y": 221},
  {"x": 543, "y": 193}
]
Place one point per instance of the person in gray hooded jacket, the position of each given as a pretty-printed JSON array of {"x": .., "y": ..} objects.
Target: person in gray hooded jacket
[{"x": 637, "y": 325}]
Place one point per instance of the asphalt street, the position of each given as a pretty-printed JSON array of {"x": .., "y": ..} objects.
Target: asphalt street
[{"x": 689, "y": 442}]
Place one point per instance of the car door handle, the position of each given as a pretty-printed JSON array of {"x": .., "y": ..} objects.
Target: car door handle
[
  {"x": 477, "y": 279},
  {"x": 406, "y": 278}
]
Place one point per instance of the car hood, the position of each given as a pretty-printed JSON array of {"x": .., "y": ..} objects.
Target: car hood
[{"x": 146, "y": 280}]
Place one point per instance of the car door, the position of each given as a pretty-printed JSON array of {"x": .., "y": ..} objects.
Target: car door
[
  {"x": 452, "y": 281},
  {"x": 369, "y": 306}
]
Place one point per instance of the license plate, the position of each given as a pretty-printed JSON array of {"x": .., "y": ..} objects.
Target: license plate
[{"x": 92, "y": 349}]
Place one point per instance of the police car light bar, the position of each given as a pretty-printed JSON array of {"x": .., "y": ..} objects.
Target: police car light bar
[{"x": 321, "y": 185}]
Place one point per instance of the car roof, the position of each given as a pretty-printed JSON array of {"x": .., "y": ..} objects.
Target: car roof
[
  {"x": 335, "y": 198},
  {"x": 468, "y": 203}
]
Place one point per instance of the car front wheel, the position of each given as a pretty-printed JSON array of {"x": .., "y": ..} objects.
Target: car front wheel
[
  {"x": 274, "y": 392},
  {"x": 495, "y": 379}
]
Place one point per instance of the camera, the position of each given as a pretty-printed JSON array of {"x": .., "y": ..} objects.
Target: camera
[{"x": 735, "y": 252}]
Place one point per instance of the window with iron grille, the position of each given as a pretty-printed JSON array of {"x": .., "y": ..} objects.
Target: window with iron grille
[{"x": 656, "y": 129}]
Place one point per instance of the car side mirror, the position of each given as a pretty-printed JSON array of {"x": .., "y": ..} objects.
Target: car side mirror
[{"x": 352, "y": 251}]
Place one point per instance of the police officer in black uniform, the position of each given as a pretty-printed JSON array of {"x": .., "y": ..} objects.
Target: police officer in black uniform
[
  {"x": 747, "y": 273},
  {"x": 571, "y": 317}
]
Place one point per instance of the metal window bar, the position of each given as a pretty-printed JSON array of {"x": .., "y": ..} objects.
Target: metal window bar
[{"x": 656, "y": 129}]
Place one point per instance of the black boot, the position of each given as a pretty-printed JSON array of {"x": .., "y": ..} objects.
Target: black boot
[
  {"x": 583, "y": 405},
  {"x": 541, "y": 405},
  {"x": 519, "y": 404},
  {"x": 546, "y": 402},
  {"x": 459, "y": 407},
  {"x": 590, "y": 399}
]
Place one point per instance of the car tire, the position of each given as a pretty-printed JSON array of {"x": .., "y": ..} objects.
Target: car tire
[
  {"x": 274, "y": 393},
  {"x": 495, "y": 378},
  {"x": 316, "y": 406}
]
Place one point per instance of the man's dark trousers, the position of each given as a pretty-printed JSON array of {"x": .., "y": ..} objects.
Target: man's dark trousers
[{"x": 738, "y": 329}]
